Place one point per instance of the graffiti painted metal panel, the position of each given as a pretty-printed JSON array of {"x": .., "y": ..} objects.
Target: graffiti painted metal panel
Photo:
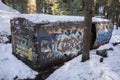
[
  {"x": 53, "y": 43},
  {"x": 59, "y": 41},
  {"x": 104, "y": 33},
  {"x": 22, "y": 32}
]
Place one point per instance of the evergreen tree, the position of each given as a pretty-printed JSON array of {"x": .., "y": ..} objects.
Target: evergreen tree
[{"x": 71, "y": 7}]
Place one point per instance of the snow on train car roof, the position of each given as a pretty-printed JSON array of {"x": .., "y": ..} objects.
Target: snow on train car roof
[
  {"x": 39, "y": 18},
  {"x": 95, "y": 19}
]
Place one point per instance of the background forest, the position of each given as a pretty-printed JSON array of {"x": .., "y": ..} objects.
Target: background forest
[{"x": 108, "y": 8}]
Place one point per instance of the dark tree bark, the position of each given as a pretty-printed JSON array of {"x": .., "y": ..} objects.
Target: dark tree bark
[
  {"x": 117, "y": 11},
  {"x": 87, "y": 32},
  {"x": 39, "y": 7}
]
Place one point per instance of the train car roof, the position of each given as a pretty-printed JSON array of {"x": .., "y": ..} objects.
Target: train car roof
[{"x": 39, "y": 18}]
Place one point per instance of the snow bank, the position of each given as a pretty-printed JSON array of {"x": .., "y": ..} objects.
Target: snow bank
[
  {"x": 10, "y": 66},
  {"x": 6, "y": 9},
  {"x": 6, "y": 13}
]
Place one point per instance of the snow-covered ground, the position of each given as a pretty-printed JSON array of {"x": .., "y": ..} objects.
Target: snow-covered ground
[{"x": 11, "y": 67}]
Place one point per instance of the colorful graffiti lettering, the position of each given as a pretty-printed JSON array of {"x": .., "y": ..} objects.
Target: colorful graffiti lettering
[
  {"x": 69, "y": 42},
  {"x": 62, "y": 42}
]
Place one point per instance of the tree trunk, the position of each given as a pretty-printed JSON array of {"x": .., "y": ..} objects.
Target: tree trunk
[
  {"x": 31, "y": 6},
  {"x": 87, "y": 31},
  {"x": 117, "y": 11},
  {"x": 39, "y": 6},
  {"x": 94, "y": 7}
]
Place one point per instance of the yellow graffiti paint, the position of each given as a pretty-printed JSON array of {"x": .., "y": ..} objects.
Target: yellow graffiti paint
[
  {"x": 17, "y": 50},
  {"x": 21, "y": 55},
  {"x": 30, "y": 54},
  {"x": 24, "y": 51}
]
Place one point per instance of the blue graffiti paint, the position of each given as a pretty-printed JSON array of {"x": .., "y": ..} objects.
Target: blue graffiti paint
[{"x": 103, "y": 35}]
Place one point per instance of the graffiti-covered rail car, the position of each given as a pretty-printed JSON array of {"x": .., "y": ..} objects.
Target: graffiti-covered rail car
[
  {"x": 101, "y": 32},
  {"x": 52, "y": 43},
  {"x": 48, "y": 43}
]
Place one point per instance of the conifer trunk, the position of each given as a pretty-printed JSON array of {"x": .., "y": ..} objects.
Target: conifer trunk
[{"x": 88, "y": 23}]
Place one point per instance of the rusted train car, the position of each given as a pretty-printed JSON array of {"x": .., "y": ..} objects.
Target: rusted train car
[{"x": 47, "y": 44}]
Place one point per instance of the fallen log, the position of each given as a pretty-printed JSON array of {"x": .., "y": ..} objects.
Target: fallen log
[
  {"x": 103, "y": 52},
  {"x": 116, "y": 43}
]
